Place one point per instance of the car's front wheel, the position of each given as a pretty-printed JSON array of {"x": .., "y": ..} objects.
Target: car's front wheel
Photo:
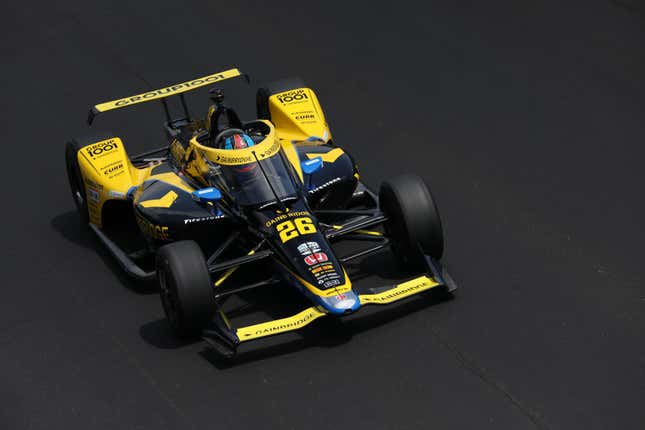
[
  {"x": 413, "y": 224},
  {"x": 185, "y": 288}
]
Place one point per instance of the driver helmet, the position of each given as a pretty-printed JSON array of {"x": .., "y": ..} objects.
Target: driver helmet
[{"x": 239, "y": 141}]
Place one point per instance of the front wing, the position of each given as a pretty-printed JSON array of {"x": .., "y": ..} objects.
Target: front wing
[{"x": 223, "y": 335}]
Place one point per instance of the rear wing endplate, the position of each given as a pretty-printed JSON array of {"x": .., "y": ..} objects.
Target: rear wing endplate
[{"x": 162, "y": 93}]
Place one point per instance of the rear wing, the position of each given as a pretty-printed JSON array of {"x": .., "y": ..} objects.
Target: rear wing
[{"x": 162, "y": 93}]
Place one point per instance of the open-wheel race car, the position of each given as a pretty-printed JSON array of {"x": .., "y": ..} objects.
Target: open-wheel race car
[{"x": 225, "y": 194}]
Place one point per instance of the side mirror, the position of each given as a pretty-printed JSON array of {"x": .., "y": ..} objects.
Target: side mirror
[
  {"x": 311, "y": 166},
  {"x": 207, "y": 195}
]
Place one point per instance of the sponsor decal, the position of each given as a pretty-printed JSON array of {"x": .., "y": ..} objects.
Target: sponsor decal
[
  {"x": 287, "y": 325},
  {"x": 275, "y": 147},
  {"x": 91, "y": 183},
  {"x": 325, "y": 185},
  {"x": 340, "y": 297},
  {"x": 113, "y": 170},
  {"x": 202, "y": 219},
  {"x": 307, "y": 248},
  {"x": 101, "y": 149},
  {"x": 401, "y": 290},
  {"x": 295, "y": 96},
  {"x": 285, "y": 216},
  {"x": 326, "y": 267},
  {"x": 170, "y": 90},
  {"x": 116, "y": 194},
  {"x": 151, "y": 230},
  {"x": 92, "y": 195},
  {"x": 224, "y": 159},
  {"x": 324, "y": 272},
  {"x": 306, "y": 116},
  {"x": 316, "y": 257},
  {"x": 228, "y": 157},
  {"x": 333, "y": 283}
]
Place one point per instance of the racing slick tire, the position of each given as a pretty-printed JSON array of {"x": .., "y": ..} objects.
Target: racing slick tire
[
  {"x": 185, "y": 288},
  {"x": 413, "y": 224},
  {"x": 74, "y": 175},
  {"x": 277, "y": 87}
]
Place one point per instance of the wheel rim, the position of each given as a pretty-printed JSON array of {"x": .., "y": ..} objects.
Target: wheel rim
[{"x": 79, "y": 198}]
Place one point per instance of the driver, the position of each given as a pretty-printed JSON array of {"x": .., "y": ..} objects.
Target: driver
[{"x": 239, "y": 141}]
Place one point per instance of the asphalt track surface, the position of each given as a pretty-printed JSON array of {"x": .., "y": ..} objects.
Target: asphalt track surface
[{"x": 527, "y": 121}]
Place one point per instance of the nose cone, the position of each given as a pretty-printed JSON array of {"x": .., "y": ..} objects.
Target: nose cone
[{"x": 344, "y": 303}]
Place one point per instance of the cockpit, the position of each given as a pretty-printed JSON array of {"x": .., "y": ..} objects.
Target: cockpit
[{"x": 255, "y": 173}]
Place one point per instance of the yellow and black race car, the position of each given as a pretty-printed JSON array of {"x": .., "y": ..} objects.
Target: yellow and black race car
[{"x": 225, "y": 194}]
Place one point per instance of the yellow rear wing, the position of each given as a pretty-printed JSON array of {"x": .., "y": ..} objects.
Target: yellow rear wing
[{"x": 162, "y": 93}]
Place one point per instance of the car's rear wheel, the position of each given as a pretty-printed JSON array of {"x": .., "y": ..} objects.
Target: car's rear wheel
[
  {"x": 185, "y": 288},
  {"x": 74, "y": 174},
  {"x": 76, "y": 183},
  {"x": 277, "y": 87},
  {"x": 413, "y": 224}
]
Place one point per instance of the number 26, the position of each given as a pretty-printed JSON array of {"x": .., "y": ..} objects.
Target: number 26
[{"x": 290, "y": 229}]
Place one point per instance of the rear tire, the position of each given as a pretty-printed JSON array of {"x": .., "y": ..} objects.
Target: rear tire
[
  {"x": 185, "y": 288},
  {"x": 76, "y": 183},
  {"x": 74, "y": 175},
  {"x": 413, "y": 224},
  {"x": 277, "y": 87}
]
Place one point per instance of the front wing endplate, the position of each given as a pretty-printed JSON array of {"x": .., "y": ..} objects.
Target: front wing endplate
[{"x": 399, "y": 292}]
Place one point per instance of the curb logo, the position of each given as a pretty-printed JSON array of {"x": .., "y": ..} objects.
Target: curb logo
[{"x": 112, "y": 169}]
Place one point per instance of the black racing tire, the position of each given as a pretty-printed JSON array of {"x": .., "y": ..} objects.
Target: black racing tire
[
  {"x": 74, "y": 175},
  {"x": 76, "y": 183},
  {"x": 413, "y": 225},
  {"x": 185, "y": 288},
  {"x": 277, "y": 87}
]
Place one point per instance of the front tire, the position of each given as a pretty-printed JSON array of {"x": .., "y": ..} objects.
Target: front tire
[
  {"x": 185, "y": 288},
  {"x": 413, "y": 224}
]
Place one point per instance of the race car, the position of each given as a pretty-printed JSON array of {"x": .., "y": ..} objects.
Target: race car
[{"x": 226, "y": 194}]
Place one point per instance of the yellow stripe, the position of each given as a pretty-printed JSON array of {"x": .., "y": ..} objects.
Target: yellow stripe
[
  {"x": 401, "y": 291},
  {"x": 370, "y": 232},
  {"x": 167, "y": 91},
  {"x": 165, "y": 202},
  {"x": 279, "y": 326},
  {"x": 328, "y": 157}
]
